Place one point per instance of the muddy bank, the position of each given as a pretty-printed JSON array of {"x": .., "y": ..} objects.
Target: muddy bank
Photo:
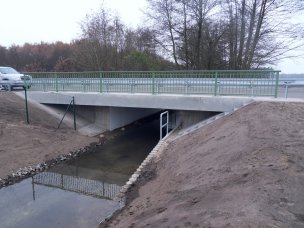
[
  {"x": 23, "y": 145},
  {"x": 245, "y": 170},
  {"x": 26, "y": 150}
]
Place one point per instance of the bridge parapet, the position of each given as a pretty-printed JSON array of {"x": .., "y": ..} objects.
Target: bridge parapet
[{"x": 217, "y": 83}]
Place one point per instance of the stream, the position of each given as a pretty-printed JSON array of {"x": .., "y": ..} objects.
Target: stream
[{"x": 80, "y": 192}]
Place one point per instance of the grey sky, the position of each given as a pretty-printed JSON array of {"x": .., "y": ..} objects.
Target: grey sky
[
  {"x": 34, "y": 21},
  {"x": 51, "y": 20}
]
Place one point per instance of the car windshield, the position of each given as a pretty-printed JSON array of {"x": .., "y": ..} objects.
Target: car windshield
[{"x": 8, "y": 70}]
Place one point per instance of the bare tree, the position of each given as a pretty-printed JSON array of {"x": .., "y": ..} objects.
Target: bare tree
[
  {"x": 228, "y": 34},
  {"x": 200, "y": 11},
  {"x": 180, "y": 28},
  {"x": 102, "y": 41},
  {"x": 163, "y": 14},
  {"x": 3, "y": 60},
  {"x": 260, "y": 31}
]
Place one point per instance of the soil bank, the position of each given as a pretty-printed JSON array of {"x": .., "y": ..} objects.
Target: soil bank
[
  {"x": 244, "y": 170},
  {"x": 23, "y": 144}
]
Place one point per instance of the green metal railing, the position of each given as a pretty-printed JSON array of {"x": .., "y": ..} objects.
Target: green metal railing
[{"x": 217, "y": 83}]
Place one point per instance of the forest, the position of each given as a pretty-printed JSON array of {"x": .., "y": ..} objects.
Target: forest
[{"x": 177, "y": 35}]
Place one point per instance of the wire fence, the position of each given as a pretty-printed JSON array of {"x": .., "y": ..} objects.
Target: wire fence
[
  {"x": 217, "y": 83},
  {"x": 76, "y": 184}
]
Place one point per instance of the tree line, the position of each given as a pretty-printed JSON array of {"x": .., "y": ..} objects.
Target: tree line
[
  {"x": 105, "y": 44},
  {"x": 226, "y": 34},
  {"x": 178, "y": 34},
  {"x": 85, "y": 55}
]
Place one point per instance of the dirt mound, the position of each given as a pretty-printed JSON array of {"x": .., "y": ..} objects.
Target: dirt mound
[
  {"x": 22, "y": 144},
  {"x": 245, "y": 170}
]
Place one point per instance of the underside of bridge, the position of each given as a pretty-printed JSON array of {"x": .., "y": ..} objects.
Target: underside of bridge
[
  {"x": 93, "y": 120},
  {"x": 97, "y": 113}
]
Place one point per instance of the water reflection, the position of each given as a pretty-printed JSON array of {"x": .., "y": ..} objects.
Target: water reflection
[
  {"x": 83, "y": 186},
  {"x": 27, "y": 204},
  {"x": 78, "y": 193}
]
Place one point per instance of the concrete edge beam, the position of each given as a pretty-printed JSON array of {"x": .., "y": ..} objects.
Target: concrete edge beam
[{"x": 160, "y": 101}]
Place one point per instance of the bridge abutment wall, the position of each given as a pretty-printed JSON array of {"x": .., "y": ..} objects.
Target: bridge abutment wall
[
  {"x": 98, "y": 119},
  {"x": 188, "y": 118},
  {"x": 110, "y": 118}
]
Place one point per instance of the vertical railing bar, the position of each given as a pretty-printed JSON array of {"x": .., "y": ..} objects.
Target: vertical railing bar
[
  {"x": 100, "y": 82},
  {"x": 153, "y": 83},
  {"x": 56, "y": 78},
  {"x": 215, "y": 85},
  {"x": 276, "y": 84}
]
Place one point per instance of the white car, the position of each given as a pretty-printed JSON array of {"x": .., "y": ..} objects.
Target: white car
[{"x": 10, "y": 78}]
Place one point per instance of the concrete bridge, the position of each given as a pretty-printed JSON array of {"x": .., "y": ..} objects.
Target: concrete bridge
[
  {"x": 109, "y": 100},
  {"x": 110, "y": 111}
]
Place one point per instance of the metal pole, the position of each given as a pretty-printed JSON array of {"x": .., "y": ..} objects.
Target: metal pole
[
  {"x": 218, "y": 88},
  {"x": 215, "y": 85},
  {"x": 74, "y": 112},
  {"x": 251, "y": 86},
  {"x": 153, "y": 83},
  {"x": 276, "y": 84},
  {"x": 161, "y": 126},
  {"x": 26, "y": 105},
  {"x": 71, "y": 103},
  {"x": 61, "y": 181},
  {"x": 167, "y": 126},
  {"x": 100, "y": 82},
  {"x": 286, "y": 89},
  {"x": 56, "y": 77}
]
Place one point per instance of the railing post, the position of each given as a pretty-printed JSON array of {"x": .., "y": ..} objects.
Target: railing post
[
  {"x": 56, "y": 78},
  {"x": 26, "y": 105},
  {"x": 276, "y": 84},
  {"x": 153, "y": 83},
  {"x": 100, "y": 82},
  {"x": 215, "y": 85},
  {"x": 44, "y": 82},
  {"x": 251, "y": 87},
  {"x": 131, "y": 82},
  {"x": 286, "y": 89},
  {"x": 74, "y": 113}
]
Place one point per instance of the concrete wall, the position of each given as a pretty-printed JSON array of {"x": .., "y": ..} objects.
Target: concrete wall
[
  {"x": 188, "y": 118},
  {"x": 102, "y": 118},
  {"x": 87, "y": 112},
  {"x": 122, "y": 116},
  {"x": 110, "y": 118},
  {"x": 93, "y": 120}
]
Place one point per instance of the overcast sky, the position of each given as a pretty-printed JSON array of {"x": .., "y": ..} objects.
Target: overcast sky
[
  {"x": 34, "y": 21},
  {"x": 52, "y": 20}
]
